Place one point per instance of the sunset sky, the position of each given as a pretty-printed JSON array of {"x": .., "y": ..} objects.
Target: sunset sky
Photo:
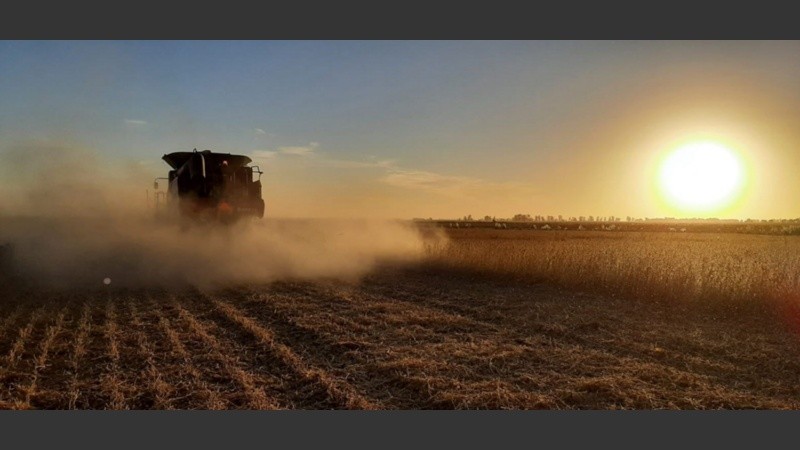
[{"x": 422, "y": 129}]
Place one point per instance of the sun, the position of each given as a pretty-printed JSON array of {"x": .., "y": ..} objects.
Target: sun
[{"x": 701, "y": 177}]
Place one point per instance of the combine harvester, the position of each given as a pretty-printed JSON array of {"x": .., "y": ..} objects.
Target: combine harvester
[{"x": 210, "y": 187}]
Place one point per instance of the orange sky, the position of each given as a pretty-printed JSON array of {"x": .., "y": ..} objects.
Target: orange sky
[{"x": 419, "y": 129}]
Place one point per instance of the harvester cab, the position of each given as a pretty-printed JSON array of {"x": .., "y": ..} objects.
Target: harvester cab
[{"x": 210, "y": 186}]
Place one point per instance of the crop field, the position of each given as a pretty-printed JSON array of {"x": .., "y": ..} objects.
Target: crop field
[
  {"x": 732, "y": 270},
  {"x": 488, "y": 319}
]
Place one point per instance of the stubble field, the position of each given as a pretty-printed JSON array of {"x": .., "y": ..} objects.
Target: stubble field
[{"x": 490, "y": 319}]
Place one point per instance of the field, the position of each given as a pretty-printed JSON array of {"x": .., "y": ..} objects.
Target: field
[{"x": 490, "y": 319}]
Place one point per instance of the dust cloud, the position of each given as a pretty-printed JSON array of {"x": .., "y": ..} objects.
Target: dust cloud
[{"x": 75, "y": 219}]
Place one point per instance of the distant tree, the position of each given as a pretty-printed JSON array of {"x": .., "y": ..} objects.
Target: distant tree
[
  {"x": 560, "y": 219},
  {"x": 591, "y": 218},
  {"x": 487, "y": 218}
]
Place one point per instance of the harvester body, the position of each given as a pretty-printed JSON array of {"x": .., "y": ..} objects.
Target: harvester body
[{"x": 212, "y": 186}]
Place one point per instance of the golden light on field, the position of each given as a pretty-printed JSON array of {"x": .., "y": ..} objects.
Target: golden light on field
[{"x": 701, "y": 177}]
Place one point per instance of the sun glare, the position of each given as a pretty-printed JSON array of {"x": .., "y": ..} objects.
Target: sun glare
[{"x": 701, "y": 177}]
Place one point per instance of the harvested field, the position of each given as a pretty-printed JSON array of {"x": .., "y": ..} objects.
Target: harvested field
[{"x": 412, "y": 337}]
